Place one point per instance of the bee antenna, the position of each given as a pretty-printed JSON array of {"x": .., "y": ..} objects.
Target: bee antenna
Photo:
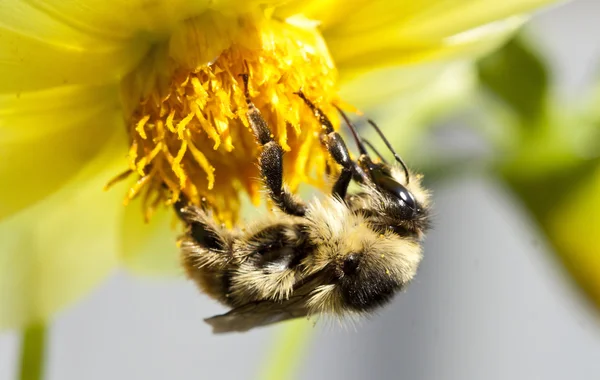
[
  {"x": 370, "y": 146},
  {"x": 361, "y": 148},
  {"x": 387, "y": 143}
]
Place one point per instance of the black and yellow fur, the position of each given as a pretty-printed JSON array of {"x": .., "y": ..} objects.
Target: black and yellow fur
[{"x": 346, "y": 254}]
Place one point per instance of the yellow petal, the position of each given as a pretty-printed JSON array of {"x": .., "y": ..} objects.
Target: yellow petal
[
  {"x": 421, "y": 19},
  {"x": 418, "y": 99},
  {"x": 237, "y": 7},
  {"x": 29, "y": 63},
  {"x": 150, "y": 248},
  {"x": 393, "y": 52},
  {"x": 325, "y": 12},
  {"x": 108, "y": 19},
  {"x": 51, "y": 43},
  {"x": 57, "y": 250},
  {"x": 120, "y": 18},
  {"x": 47, "y": 137},
  {"x": 366, "y": 34},
  {"x": 408, "y": 84}
]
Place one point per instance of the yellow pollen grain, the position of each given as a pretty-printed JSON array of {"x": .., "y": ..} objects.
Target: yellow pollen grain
[
  {"x": 135, "y": 189},
  {"x": 169, "y": 122},
  {"x": 140, "y": 126},
  {"x": 179, "y": 172},
  {"x": 183, "y": 124},
  {"x": 144, "y": 161},
  {"x": 190, "y": 134},
  {"x": 133, "y": 156},
  {"x": 205, "y": 165}
]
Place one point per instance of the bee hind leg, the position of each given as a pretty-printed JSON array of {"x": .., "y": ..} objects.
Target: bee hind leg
[
  {"x": 206, "y": 250},
  {"x": 205, "y": 243}
]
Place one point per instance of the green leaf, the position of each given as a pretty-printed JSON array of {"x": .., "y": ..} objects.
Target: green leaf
[
  {"x": 288, "y": 350},
  {"x": 556, "y": 175},
  {"x": 566, "y": 204},
  {"x": 518, "y": 76},
  {"x": 33, "y": 352}
]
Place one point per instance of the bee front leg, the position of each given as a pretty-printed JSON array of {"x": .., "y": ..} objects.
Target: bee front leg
[
  {"x": 337, "y": 149},
  {"x": 271, "y": 161}
]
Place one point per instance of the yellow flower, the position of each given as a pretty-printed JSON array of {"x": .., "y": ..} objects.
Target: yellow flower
[{"x": 90, "y": 89}]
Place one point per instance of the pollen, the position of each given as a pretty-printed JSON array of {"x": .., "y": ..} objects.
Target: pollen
[{"x": 189, "y": 132}]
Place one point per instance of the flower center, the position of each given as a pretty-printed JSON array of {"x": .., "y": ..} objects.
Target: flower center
[{"x": 189, "y": 132}]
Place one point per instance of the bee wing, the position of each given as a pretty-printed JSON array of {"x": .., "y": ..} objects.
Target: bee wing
[{"x": 257, "y": 314}]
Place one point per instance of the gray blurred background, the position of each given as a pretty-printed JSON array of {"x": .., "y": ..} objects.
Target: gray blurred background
[{"x": 488, "y": 303}]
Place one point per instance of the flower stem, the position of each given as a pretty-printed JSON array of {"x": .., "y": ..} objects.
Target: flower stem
[
  {"x": 287, "y": 351},
  {"x": 32, "y": 352}
]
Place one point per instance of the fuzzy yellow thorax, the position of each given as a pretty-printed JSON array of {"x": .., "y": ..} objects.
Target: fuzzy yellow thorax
[{"x": 188, "y": 126}]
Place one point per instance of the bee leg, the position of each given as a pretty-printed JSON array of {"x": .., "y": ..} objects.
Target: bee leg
[
  {"x": 271, "y": 161},
  {"x": 205, "y": 243},
  {"x": 206, "y": 250},
  {"x": 337, "y": 149}
]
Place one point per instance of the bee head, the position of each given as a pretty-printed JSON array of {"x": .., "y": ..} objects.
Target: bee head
[
  {"x": 389, "y": 181},
  {"x": 368, "y": 279},
  {"x": 399, "y": 200},
  {"x": 362, "y": 263}
]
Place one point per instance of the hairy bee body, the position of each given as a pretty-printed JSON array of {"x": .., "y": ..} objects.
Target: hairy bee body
[{"x": 344, "y": 254}]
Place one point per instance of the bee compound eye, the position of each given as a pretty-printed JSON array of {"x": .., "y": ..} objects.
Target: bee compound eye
[
  {"x": 351, "y": 263},
  {"x": 407, "y": 200},
  {"x": 402, "y": 196}
]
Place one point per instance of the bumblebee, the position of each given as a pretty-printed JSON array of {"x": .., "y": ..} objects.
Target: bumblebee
[{"x": 345, "y": 255}]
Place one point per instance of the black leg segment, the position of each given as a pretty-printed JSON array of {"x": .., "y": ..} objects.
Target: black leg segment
[
  {"x": 200, "y": 229},
  {"x": 271, "y": 160},
  {"x": 336, "y": 147}
]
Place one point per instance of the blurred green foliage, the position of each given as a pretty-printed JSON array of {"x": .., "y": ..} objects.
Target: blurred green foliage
[
  {"x": 518, "y": 77},
  {"x": 553, "y": 164}
]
